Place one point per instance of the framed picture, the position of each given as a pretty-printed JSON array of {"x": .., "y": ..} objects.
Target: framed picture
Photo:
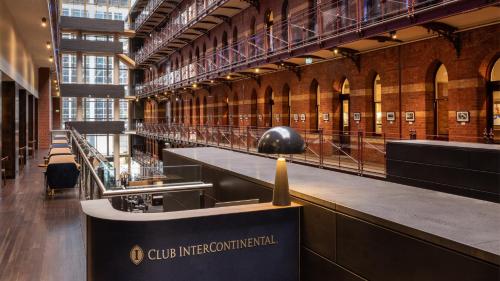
[
  {"x": 277, "y": 117},
  {"x": 241, "y": 117},
  {"x": 302, "y": 117},
  {"x": 410, "y": 116},
  {"x": 295, "y": 117},
  {"x": 326, "y": 116},
  {"x": 357, "y": 116},
  {"x": 245, "y": 116},
  {"x": 391, "y": 116},
  {"x": 260, "y": 117},
  {"x": 463, "y": 116}
]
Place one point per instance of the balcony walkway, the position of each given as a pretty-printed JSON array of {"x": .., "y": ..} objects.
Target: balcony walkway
[
  {"x": 40, "y": 239},
  {"x": 468, "y": 226}
]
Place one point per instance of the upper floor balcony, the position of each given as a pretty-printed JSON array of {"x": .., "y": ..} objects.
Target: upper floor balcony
[
  {"x": 151, "y": 14},
  {"x": 185, "y": 25},
  {"x": 332, "y": 29}
]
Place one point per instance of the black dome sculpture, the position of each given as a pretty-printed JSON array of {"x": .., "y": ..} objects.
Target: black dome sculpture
[{"x": 281, "y": 140}]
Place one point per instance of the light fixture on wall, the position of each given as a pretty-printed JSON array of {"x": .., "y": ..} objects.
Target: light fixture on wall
[
  {"x": 228, "y": 77},
  {"x": 47, "y": 45},
  {"x": 281, "y": 140},
  {"x": 257, "y": 70},
  {"x": 393, "y": 35},
  {"x": 51, "y": 58},
  {"x": 195, "y": 85},
  {"x": 336, "y": 51},
  {"x": 44, "y": 22}
]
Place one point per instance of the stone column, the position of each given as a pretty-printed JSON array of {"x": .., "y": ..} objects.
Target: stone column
[{"x": 44, "y": 108}]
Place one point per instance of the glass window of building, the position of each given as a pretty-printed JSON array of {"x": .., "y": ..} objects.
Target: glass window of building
[
  {"x": 68, "y": 109},
  {"x": 377, "y": 102},
  {"x": 97, "y": 109},
  {"x": 68, "y": 68},
  {"x": 68, "y": 35},
  {"x": 98, "y": 69},
  {"x": 98, "y": 37}
]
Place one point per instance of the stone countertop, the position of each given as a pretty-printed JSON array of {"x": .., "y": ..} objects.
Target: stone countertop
[
  {"x": 456, "y": 144},
  {"x": 464, "y": 224}
]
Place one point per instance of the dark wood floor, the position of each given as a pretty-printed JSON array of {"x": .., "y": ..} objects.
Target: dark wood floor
[{"x": 40, "y": 239}]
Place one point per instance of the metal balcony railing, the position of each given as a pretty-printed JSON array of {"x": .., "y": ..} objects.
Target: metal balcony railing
[
  {"x": 330, "y": 19},
  {"x": 180, "y": 20}
]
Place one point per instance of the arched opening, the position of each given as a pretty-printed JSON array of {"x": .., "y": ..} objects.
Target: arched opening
[
  {"x": 286, "y": 105},
  {"x": 313, "y": 7},
  {"x": 314, "y": 104},
  {"x": 198, "y": 111},
  {"x": 225, "y": 49},
  {"x": 284, "y": 20},
  {"x": 253, "y": 108},
  {"x": 197, "y": 53},
  {"x": 377, "y": 105},
  {"x": 181, "y": 117},
  {"x": 215, "y": 111},
  {"x": 204, "y": 112},
  {"x": 236, "y": 47},
  {"x": 253, "y": 30},
  {"x": 493, "y": 110},
  {"x": 441, "y": 103},
  {"x": 204, "y": 56},
  {"x": 235, "y": 120},
  {"x": 191, "y": 112},
  {"x": 268, "y": 20},
  {"x": 345, "y": 106},
  {"x": 214, "y": 55},
  {"x": 268, "y": 107}
]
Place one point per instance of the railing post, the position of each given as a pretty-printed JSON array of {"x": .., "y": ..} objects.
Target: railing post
[
  {"x": 248, "y": 139},
  {"x": 321, "y": 156},
  {"x": 232, "y": 137}
]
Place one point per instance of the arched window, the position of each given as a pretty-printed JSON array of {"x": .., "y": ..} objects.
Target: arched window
[
  {"x": 268, "y": 107},
  {"x": 377, "y": 104},
  {"x": 236, "y": 47},
  {"x": 225, "y": 50},
  {"x": 313, "y": 7},
  {"x": 494, "y": 101},
  {"x": 284, "y": 20},
  {"x": 286, "y": 96},
  {"x": 253, "y": 109},
  {"x": 269, "y": 19},
  {"x": 441, "y": 102},
  {"x": 253, "y": 30},
  {"x": 214, "y": 55},
  {"x": 314, "y": 103},
  {"x": 236, "y": 110},
  {"x": 345, "y": 107}
]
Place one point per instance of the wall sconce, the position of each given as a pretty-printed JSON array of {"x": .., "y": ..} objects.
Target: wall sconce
[
  {"x": 281, "y": 140},
  {"x": 44, "y": 22}
]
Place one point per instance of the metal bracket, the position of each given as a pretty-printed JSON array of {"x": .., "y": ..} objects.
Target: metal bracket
[
  {"x": 448, "y": 32},
  {"x": 291, "y": 67},
  {"x": 224, "y": 18},
  {"x": 352, "y": 54},
  {"x": 254, "y": 3},
  {"x": 252, "y": 76}
]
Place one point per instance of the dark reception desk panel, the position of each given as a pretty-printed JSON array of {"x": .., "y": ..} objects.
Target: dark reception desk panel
[
  {"x": 244, "y": 243},
  {"x": 337, "y": 246}
]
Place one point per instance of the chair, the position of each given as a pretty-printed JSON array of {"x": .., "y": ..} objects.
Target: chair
[{"x": 62, "y": 173}]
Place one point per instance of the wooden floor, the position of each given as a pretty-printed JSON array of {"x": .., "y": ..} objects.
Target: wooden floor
[{"x": 40, "y": 239}]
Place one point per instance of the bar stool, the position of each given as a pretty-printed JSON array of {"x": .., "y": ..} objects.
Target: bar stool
[
  {"x": 22, "y": 157},
  {"x": 31, "y": 149}
]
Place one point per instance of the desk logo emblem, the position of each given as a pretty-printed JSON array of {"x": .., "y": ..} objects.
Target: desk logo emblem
[{"x": 136, "y": 255}]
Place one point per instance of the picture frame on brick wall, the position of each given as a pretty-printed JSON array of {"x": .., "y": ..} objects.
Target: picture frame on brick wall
[
  {"x": 463, "y": 116},
  {"x": 356, "y": 116},
  {"x": 410, "y": 116},
  {"x": 391, "y": 116},
  {"x": 303, "y": 117},
  {"x": 326, "y": 117},
  {"x": 295, "y": 117}
]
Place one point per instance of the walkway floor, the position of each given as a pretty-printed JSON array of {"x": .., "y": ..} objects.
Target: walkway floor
[{"x": 40, "y": 239}]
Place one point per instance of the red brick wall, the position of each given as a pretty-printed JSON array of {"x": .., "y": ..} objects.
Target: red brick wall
[
  {"x": 44, "y": 108},
  {"x": 416, "y": 63}
]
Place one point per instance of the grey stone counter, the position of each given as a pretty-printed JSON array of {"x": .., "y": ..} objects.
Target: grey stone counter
[{"x": 464, "y": 224}]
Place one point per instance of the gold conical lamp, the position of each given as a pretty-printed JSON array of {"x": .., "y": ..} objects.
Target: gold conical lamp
[{"x": 281, "y": 140}]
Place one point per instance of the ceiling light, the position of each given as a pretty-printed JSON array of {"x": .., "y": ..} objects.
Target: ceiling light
[
  {"x": 393, "y": 34},
  {"x": 51, "y": 58},
  {"x": 336, "y": 51},
  {"x": 212, "y": 81},
  {"x": 47, "y": 45},
  {"x": 228, "y": 77},
  {"x": 195, "y": 85},
  {"x": 257, "y": 70},
  {"x": 44, "y": 22}
]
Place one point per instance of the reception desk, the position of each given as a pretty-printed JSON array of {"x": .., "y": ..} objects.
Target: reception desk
[{"x": 242, "y": 242}]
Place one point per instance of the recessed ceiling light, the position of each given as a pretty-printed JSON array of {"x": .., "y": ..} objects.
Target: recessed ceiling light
[
  {"x": 47, "y": 45},
  {"x": 51, "y": 58}
]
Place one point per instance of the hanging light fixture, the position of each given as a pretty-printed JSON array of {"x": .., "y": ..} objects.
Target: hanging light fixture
[
  {"x": 44, "y": 22},
  {"x": 47, "y": 45},
  {"x": 51, "y": 58}
]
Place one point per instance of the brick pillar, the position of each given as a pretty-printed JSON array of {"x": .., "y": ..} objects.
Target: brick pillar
[
  {"x": 44, "y": 108},
  {"x": 10, "y": 127}
]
